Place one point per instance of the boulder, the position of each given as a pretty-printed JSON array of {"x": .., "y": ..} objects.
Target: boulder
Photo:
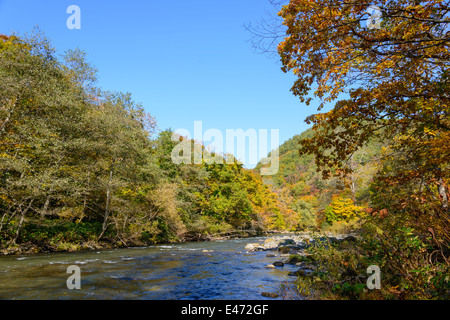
[
  {"x": 270, "y": 244},
  {"x": 298, "y": 273},
  {"x": 270, "y": 266},
  {"x": 308, "y": 266},
  {"x": 278, "y": 264},
  {"x": 285, "y": 242},
  {"x": 270, "y": 294},
  {"x": 284, "y": 249},
  {"x": 252, "y": 246},
  {"x": 294, "y": 259},
  {"x": 288, "y": 248},
  {"x": 350, "y": 239},
  {"x": 333, "y": 240}
]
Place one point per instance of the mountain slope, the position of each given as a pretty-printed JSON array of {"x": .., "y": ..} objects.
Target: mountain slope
[{"x": 308, "y": 200}]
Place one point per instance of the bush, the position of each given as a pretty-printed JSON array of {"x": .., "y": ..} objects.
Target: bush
[
  {"x": 407, "y": 270},
  {"x": 50, "y": 232},
  {"x": 342, "y": 227},
  {"x": 205, "y": 225}
]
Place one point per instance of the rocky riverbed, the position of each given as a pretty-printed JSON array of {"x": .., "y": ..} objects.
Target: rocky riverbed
[
  {"x": 206, "y": 270},
  {"x": 291, "y": 249}
]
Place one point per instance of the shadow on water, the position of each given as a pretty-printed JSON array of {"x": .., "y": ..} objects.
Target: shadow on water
[{"x": 161, "y": 272}]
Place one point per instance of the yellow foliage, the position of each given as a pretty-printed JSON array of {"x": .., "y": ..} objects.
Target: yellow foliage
[{"x": 343, "y": 209}]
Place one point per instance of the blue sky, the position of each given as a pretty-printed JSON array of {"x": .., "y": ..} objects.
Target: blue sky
[{"x": 185, "y": 61}]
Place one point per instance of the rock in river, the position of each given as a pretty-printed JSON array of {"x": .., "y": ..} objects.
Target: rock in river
[
  {"x": 298, "y": 273},
  {"x": 294, "y": 259},
  {"x": 285, "y": 242},
  {"x": 270, "y": 244},
  {"x": 252, "y": 246},
  {"x": 270, "y": 294}
]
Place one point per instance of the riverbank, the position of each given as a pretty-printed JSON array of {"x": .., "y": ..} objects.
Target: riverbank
[
  {"x": 294, "y": 250},
  {"x": 46, "y": 244}
]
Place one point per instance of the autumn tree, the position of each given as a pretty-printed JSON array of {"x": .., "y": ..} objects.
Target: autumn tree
[
  {"x": 342, "y": 208},
  {"x": 36, "y": 147},
  {"x": 395, "y": 76},
  {"x": 388, "y": 81}
]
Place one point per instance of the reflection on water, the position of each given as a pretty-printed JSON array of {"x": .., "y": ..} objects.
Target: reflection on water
[{"x": 162, "y": 272}]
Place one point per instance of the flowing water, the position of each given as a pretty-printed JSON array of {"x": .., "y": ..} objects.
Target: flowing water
[{"x": 160, "y": 272}]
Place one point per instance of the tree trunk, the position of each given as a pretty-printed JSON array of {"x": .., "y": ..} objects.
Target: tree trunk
[
  {"x": 353, "y": 179},
  {"x": 46, "y": 204},
  {"x": 84, "y": 209},
  {"x": 4, "y": 216},
  {"x": 353, "y": 186},
  {"x": 12, "y": 215},
  {"x": 443, "y": 193},
  {"x": 108, "y": 200},
  {"x": 22, "y": 218}
]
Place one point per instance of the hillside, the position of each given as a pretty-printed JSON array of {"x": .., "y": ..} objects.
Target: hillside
[{"x": 307, "y": 197}]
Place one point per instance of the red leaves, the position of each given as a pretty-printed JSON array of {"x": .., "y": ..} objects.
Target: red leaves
[{"x": 383, "y": 213}]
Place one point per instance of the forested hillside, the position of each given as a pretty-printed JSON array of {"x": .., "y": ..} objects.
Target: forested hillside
[
  {"x": 312, "y": 202},
  {"x": 83, "y": 168}
]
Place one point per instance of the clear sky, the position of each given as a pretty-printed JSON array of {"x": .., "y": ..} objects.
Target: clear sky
[{"x": 184, "y": 60}]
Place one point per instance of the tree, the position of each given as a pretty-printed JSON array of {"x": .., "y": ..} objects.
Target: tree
[
  {"x": 395, "y": 75},
  {"x": 388, "y": 83},
  {"x": 35, "y": 146},
  {"x": 123, "y": 145},
  {"x": 342, "y": 208}
]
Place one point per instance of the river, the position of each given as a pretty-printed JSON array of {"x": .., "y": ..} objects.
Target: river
[{"x": 159, "y": 272}]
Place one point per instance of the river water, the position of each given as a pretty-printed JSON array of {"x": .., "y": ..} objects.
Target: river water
[{"x": 160, "y": 272}]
